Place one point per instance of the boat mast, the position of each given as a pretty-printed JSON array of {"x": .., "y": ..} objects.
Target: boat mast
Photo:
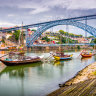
[{"x": 22, "y": 37}]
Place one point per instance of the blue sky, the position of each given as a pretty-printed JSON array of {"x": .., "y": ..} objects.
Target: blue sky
[{"x": 13, "y": 12}]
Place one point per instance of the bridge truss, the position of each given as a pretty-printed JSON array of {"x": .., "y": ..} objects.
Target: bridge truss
[{"x": 41, "y": 27}]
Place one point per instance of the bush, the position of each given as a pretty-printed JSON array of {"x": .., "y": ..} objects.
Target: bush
[
  {"x": 78, "y": 47},
  {"x": 3, "y": 41}
]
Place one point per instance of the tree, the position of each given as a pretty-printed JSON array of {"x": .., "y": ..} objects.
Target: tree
[
  {"x": 61, "y": 32},
  {"x": 16, "y": 34},
  {"x": 78, "y": 47},
  {"x": 95, "y": 40},
  {"x": 3, "y": 41},
  {"x": 46, "y": 39},
  {"x": 9, "y": 32},
  {"x": 91, "y": 37},
  {"x": 33, "y": 30},
  {"x": 71, "y": 34}
]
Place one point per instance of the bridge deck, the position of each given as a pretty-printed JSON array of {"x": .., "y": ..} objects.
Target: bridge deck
[{"x": 68, "y": 44}]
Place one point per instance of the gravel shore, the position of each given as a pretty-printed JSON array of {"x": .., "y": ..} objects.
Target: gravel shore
[
  {"x": 83, "y": 84},
  {"x": 88, "y": 72}
]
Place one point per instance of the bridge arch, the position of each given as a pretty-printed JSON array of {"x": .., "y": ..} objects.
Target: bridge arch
[{"x": 43, "y": 28}]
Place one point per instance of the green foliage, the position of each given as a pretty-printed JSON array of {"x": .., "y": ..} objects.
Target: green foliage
[
  {"x": 94, "y": 40},
  {"x": 33, "y": 30},
  {"x": 78, "y": 47},
  {"x": 63, "y": 40},
  {"x": 16, "y": 34},
  {"x": 91, "y": 37},
  {"x": 78, "y": 36},
  {"x": 66, "y": 40},
  {"x": 46, "y": 39},
  {"x": 9, "y": 32},
  {"x": 61, "y": 31},
  {"x": 69, "y": 34},
  {"x": 10, "y": 37},
  {"x": 3, "y": 41}
]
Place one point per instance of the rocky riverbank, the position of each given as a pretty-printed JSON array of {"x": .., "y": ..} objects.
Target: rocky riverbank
[
  {"x": 87, "y": 73},
  {"x": 83, "y": 83}
]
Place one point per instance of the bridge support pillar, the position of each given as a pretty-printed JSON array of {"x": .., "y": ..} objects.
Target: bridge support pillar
[
  {"x": 59, "y": 48},
  {"x": 47, "y": 48},
  {"x": 27, "y": 38},
  {"x": 29, "y": 49}
]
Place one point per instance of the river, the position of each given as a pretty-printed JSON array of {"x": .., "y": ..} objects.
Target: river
[{"x": 39, "y": 79}]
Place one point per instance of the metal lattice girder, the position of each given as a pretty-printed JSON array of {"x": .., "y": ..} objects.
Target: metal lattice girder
[{"x": 80, "y": 25}]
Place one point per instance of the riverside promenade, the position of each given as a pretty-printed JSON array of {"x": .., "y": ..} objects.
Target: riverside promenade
[{"x": 83, "y": 84}]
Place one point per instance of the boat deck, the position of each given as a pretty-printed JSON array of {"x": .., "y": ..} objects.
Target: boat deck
[{"x": 85, "y": 88}]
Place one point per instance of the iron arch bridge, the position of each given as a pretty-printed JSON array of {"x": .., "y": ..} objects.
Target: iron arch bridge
[{"x": 41, "y": 27}]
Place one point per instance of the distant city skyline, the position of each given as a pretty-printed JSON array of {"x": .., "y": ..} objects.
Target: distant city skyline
[{"x": 13, "y": 12}]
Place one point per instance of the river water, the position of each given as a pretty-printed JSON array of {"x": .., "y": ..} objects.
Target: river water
[{"x": 39, "y": 79}]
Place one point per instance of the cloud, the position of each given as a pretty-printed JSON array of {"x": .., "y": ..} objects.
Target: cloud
[
  {"x": 34, "y": 11},
  {"x": 39, "y": 10},
  {"x": 8, "y": 24},
  {"x": 82, "y": 4},
  {"x": 35, "y": 7},
  {"x": 41, "y": 6},
  {"x": 11, "y": 15}
]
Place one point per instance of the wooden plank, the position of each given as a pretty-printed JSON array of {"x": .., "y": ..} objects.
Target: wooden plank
[{"x": 86, "y": 88}]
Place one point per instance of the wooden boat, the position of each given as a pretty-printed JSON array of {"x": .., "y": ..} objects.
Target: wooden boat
[
  {"x": 16, "y": 53},
  {"x": 3, "y": 49},
  {"x": 85, "y": 55},
  {"x": 11, "y": 47},
  {"x": 20, "y": 62},
  {"x": 61, "y": 56}
]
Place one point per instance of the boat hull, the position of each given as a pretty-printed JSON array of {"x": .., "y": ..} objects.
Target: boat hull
[
  {"x": 86, "y": 56},
  {"x": 15, "y": 63},
  {"x": 63, "y": 58}
]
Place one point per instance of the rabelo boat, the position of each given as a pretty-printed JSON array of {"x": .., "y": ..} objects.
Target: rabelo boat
[
  {"x": 61, "y": 56},
  {"x": 20, "y": 60}
]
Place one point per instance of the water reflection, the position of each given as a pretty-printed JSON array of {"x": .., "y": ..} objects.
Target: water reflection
[
  {"x": 94, "y": 57},
  {"x": 85, "y": 59},
  {"x": 15, "y": 82},
  {"x": 60, "y": 63},
  {"x": 18, "y": 71},
  {"x": 57, "y": 63}
]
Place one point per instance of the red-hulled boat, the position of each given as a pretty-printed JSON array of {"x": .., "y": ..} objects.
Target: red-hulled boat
[{"x": 85, "y": 55}]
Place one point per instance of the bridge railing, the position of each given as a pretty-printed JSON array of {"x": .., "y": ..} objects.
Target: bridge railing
[{"x": 63, "y": 44}]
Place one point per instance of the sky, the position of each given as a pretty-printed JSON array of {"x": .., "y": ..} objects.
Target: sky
[{"x": 13, "y": 12}]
